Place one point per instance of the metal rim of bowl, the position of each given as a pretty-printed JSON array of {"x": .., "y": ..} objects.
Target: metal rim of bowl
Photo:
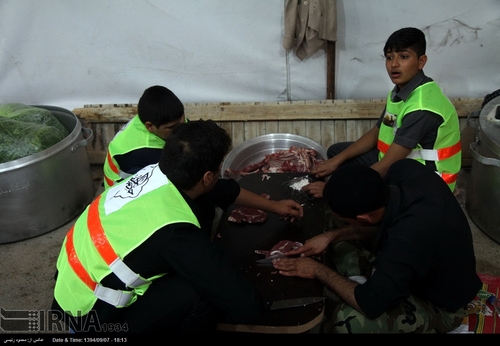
[{"x": 275, "y": 142}]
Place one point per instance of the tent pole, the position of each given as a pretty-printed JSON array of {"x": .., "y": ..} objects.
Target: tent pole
[{"x": 330, "y": 70}]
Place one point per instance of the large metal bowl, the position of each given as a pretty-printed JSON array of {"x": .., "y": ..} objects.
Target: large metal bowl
[
  {"x": 45, "y": 190},
  {"x": 255, "y": 149}
]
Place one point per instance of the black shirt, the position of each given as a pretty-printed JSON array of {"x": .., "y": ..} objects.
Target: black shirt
[
  {"x": 426, "y": 246},
  {"x": 135, "y": 160},
  {"x": 187, "y": 251}
]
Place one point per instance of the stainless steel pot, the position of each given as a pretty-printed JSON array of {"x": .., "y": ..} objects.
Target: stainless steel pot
[
  {"x": 44, "y": 191},
  {"x": 255, "y": 149},
  {"x": 483, "y": 188}
]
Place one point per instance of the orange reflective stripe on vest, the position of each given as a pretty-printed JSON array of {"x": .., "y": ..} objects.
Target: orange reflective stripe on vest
[
  {"x": 443, "y": 153},
  {"x": 100, "y": 242},
  {"x": 113, "y": 168},
  {"x": 382, "y": 146},
  {"x": 112, "y": 164},
  {"x": 449, "y": 178},
  {"x": 109, "y": 181},
  {"x": 75, "y": 263},
  {"x": 97, "y": 235}
]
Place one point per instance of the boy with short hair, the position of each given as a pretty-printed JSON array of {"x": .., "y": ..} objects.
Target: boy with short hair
[
  {"x": 418, "y": 122},
  {"x": 140, "y": 142},
  {"x": 403, "y": 263}
]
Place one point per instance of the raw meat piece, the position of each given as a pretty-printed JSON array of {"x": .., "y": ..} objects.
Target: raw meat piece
[
  {"x": 292, "y": 160},
  {"x": 281, "y": 248},
  {"x": 249, "y": 215}
]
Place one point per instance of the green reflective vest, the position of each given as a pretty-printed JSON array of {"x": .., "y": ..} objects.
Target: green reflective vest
[
  {"x": 446, "y": 152},
  {"x": 119, "y": 220},
  {"x": 132, "y": 136}
]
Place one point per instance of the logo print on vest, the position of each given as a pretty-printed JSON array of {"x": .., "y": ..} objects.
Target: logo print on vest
[
  {"x": 146, "y": 180},
  {"x": 134, "y": 186},
  {"x": 389, "y": 119}
]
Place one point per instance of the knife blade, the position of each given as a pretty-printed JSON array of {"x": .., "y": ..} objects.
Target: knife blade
[
  {"x": 270, "y": 259},
  {"x": 296, "y": 302}
]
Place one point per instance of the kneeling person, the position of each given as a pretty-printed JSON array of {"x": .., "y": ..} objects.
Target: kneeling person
[
  {"x": 139, "y": 256},
  {"x": 420, "y": 272}
]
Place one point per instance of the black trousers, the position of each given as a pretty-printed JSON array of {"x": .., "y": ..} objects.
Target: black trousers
[
  {"x": 170, "y": 305},
  {"x": 367, "y": 159}
]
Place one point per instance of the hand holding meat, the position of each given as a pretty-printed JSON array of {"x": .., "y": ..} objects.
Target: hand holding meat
[
  {"x": 252, "y": 215},
  {"x": 325, "y": 168},
  {"x": 314, "y": 246},
  {"x": 303, "y": 267},
  {"x": 289, "y": 209}
]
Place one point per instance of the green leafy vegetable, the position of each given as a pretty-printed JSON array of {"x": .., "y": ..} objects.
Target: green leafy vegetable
[
  {"x": 27, "y": 130},
  {"x": 8, "y": 108}
]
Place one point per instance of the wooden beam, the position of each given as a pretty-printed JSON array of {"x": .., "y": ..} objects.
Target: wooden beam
[
  {"x": 330, "y": 70},
  {"x": 341, "y": 109}
]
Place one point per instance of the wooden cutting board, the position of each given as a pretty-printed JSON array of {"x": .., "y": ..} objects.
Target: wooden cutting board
[{"x": 241, "y": 241}]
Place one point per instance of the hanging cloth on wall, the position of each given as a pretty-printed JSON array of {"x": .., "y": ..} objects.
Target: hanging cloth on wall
[{"x": 308, "y": 24}]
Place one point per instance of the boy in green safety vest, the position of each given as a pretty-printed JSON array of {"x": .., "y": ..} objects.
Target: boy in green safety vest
[
  {"x": 140, "y": 258},
  {"x": 418, "y": 122},
  {"x": 140, "y": 141}
]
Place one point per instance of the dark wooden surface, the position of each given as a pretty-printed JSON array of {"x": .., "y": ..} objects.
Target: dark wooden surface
[{"x": 241, "y": 241}]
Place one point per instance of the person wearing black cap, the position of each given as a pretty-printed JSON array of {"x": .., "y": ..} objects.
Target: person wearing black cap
[{"x": 404, "y": 262}]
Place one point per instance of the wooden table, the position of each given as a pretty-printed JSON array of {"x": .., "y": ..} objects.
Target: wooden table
[{"x": 241, "y": 241}]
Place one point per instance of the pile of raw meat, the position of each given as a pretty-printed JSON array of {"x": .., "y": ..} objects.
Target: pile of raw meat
[{"x": 284, "y": 161}]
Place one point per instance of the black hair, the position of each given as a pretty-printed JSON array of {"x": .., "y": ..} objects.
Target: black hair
[
  {"x": 191, "y": 150},
  {"x": 159, "y": 106},
  {"x": 354, "y": 189},
  {"x": 405, "y": 38}
]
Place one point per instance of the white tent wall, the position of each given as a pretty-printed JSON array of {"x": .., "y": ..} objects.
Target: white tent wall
[{"x": 69, "y": 53}]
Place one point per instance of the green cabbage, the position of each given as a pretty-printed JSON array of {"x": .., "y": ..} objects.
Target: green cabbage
[
  {"x": 26, "y": 130},
  {"x": 38, "y": 116},
  {"x": 8, "y": 108}
]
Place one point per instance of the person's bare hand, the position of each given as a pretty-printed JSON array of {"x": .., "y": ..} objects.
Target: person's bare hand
[
  {"x": 303, "y": 267},
  {"x": 324, "y": 168},
  {"x": 289, "y": 209},
  {"x": 314, "y": 246},
  {"x": 315, "y": 189}
]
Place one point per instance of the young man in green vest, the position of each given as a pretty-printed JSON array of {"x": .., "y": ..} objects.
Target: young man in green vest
[
  {"x": 140, "y": 142},
  {"x": 140, "y": 259},
  {"x": 418, "y": 122}
]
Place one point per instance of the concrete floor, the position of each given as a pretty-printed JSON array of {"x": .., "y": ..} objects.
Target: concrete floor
[{"x": 27, "y": 267}]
